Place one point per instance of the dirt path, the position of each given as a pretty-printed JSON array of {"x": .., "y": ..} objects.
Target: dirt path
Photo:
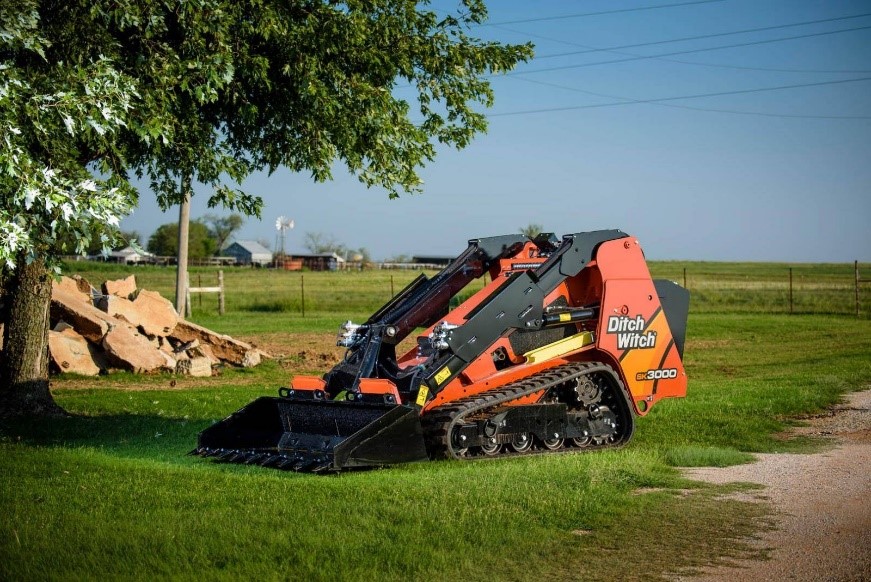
[{"x": 823, "y": 503}]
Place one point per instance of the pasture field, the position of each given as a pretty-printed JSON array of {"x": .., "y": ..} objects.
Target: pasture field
[
  {"x": 277, "y": 296},
  {"x": 109, "y": 492}
]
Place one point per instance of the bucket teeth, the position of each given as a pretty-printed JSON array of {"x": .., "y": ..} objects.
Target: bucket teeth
[
  {"x": 270, "y": 460},
  {"x": 320, "y": 465},
  {"x": 253, "y": 458},
  {"x": 305, "y": 463},
  {"x": 301, "y": 464},
  {"x": 284, "y": 462},
  {"x": 228, "y": 456}
]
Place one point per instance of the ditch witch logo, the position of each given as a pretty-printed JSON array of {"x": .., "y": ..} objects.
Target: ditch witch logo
[{"x": 630, "y": 332}]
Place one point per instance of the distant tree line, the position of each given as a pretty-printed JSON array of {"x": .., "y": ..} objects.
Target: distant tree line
[{"x": 207, "y": 237}]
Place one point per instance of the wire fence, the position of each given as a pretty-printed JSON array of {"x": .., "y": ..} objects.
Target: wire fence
[{"x": 836, "y": 289}]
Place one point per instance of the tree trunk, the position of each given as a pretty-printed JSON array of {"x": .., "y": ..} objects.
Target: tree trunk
[
  {"x": 181, "y": 278},
  {"x": 24, "y": 368}
]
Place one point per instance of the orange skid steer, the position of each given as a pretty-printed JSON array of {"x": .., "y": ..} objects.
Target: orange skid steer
[{"x": 568, "y": 342}]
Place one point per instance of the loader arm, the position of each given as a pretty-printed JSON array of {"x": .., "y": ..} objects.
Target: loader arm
[
  {"x": 371, "y": 346},
  {"x": 517, "y": 304}
]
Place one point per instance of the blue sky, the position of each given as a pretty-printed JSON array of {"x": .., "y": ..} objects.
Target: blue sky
[{"x": 749, "y": 174}]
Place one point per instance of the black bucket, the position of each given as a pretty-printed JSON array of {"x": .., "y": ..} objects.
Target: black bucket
[{"x": 316, "y": 435}]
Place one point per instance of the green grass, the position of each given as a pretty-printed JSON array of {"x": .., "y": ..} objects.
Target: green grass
[{"x": 109, "y": 492}]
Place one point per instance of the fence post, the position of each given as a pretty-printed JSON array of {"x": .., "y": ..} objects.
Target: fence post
[
  {"x": 790, "y": 291},
  {"x": 856, "y": 271},
  {"x": 200, "y": 289},
  {"x": 684, "y": 277},
  {"x": 391, "y": 287},
  {"x": 302, "y": 292}
]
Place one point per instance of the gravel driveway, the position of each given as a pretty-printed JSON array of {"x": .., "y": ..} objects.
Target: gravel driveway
[{"x": 823, "y": 503}]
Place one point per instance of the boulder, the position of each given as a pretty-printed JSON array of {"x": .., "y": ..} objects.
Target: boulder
[
  {"x": 204, "y": 351},
  {"x": 71, "y": 353},
  {"x": 199, "y": 366},
  {"x": 120, "y": 308},
  {"x": 89, "y": 321},
  {"x": 170, "y": 363},
  {"x": 157, "y": 316},
  {"x": 129, "y": 350},
  {"x": 223, "y": 346},
  {"x": 121, "y": 287},
  {"x": 74, "y": 287}
]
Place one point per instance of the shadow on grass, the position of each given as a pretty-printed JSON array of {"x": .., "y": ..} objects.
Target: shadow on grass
[{"x": 126, "y": 435}]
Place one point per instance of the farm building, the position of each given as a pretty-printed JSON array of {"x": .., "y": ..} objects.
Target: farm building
[
  {"x": 321, "y": 262},
  {"x": 130, "y": 256},
  {"x": 248, "y": 252}
]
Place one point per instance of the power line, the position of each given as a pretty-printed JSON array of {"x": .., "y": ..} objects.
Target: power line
[
  {"x": 630, "y": 101},
  {"x": 665, "y": 99},
  {"x": 688, "y": 51},
  {"x": 600, "y": 13},
  {"x": 694, "y": 63},
  {"x": 701, "y": 37}
]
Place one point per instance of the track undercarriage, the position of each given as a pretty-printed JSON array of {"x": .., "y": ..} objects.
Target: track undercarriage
[{"x": 578, "y": 407}]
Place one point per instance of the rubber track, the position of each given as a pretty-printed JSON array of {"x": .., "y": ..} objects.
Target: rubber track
[{"x": 439, "y": 423}]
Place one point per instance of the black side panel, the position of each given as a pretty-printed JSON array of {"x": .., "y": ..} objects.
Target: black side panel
[
  {"x": 517, "y": 304},
  {"x": 495, "y": 247},
  {"x": 675, "y": 302},
  {"x": 573, "y": 255}
]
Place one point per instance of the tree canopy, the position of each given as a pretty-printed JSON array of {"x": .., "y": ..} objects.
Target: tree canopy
[
  {"x": 532, "y": 229},
  {"x": 96, "y": 92},
  {"x": 201, "y": 240},
  {"x": 222, "y": 228}
]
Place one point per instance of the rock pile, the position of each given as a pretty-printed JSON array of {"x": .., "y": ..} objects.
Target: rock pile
[{"x": 132, "y": 329}]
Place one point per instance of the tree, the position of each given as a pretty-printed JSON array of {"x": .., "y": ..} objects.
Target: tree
[
  {"x": 207, "y": 92},
  {"x": 532, "y": 230},
  {"x": 164, "y": 241},
  {"x": 321, "y": 243},
  {"x": 221, "y": 228},
  {"x": 50, "y": 203}
]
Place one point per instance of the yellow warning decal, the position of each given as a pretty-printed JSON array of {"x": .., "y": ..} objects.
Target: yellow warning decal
[
  {"x": 443, "y": 375},
  {"x": 421, "y": 395},
  {"x": 559, "y": 348},
  {"x": 565, "y": 317}
]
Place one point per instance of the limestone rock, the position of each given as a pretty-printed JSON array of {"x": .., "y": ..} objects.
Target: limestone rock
[
  {"x": 89, "y": 321},
  {"x": 157, "y": 315},
  {"x": 119, "y": 308},
  {"x": 199, "y": 366},
  {"x": 120, "y": 288},
  {"x": 74, "y": 287},
  {"x": 71, "y": 353},
  {"x": 223, "y": 346},
  {"x": 129, "y": 350},
  {"x": 204, "y": 351}
]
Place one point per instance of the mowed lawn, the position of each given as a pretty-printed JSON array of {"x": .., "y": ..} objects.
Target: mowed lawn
[{"x": 110, "y": 492}]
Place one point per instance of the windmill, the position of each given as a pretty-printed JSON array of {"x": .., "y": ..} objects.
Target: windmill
[{"x": 282, "y": 225}]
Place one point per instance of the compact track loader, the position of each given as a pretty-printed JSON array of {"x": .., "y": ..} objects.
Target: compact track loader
[{"x": 566, "y": 344}]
